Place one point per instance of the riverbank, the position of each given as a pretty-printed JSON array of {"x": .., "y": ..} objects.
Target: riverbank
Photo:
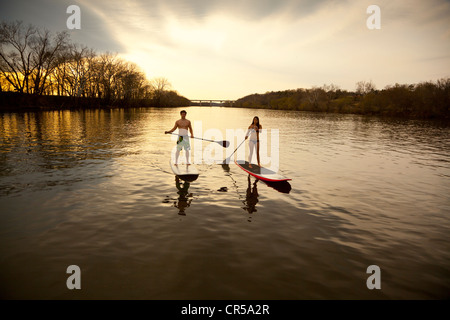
[
  {"x": 421, "y": 101},
  {"x": 17, "y": 102},
  {"x": 372, "y": 104}
]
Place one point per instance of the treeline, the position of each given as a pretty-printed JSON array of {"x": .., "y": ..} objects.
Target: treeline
[
  {"x": 35, "y": 62},
  {"x": 423, "y": 100}
]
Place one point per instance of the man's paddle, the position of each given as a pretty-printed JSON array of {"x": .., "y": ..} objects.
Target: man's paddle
[{"x": 223, "y": 143}]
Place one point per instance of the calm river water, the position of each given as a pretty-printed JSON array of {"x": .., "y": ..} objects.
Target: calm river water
[{"x": 94, "y": 189}]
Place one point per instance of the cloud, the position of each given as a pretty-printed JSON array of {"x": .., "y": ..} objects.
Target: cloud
[
  {"x": 218, "y": 46},
  {"x": 249, "y": 10},
  {"x": 52, "y": 15}
]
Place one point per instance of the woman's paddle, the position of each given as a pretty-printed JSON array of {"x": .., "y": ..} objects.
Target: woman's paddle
[
  {"x": 225, "y": 162},
  {"x": 223, "y": 143}
]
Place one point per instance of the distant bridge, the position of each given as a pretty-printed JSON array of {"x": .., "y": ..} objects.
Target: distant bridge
[{"x": 210, "y": 103}]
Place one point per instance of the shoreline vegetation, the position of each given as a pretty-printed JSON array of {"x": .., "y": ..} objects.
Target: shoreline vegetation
[
  {"x": 426, "y": 100},
  {"x": 41, "y": 71}
]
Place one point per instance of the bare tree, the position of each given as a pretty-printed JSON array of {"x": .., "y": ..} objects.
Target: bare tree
[
  {"x": 331, "y": 91},
  {"x": 132, "y": 82},
  {"x": 28, "y": 55},
  {"x": 15, "y": 54},
  {"x": 45, "y": 52},
  {"x": 314, "y": 95},
  {"x": 107, "y": 67},
  {"x": 159, "y": 87},
  {"x": 364, "y": 87},
  {"x": 77, "y": 70}
]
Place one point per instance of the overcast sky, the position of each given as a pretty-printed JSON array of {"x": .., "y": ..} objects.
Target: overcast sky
[{"x": 210, "y": 49}]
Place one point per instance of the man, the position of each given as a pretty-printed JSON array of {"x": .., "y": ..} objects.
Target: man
[{"x": 183, "y": 126}]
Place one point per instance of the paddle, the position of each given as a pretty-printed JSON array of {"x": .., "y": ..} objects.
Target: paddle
[
  {"x": 225, "y": 165},
  {"x": 223, "y": 143}
]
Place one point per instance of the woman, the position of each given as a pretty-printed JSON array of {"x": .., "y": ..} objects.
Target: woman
[{"x": 253, "y": 132}]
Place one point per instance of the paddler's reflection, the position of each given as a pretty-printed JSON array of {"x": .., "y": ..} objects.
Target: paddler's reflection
[
  {"x": 251, "y": 197},
  {"x": 183, "y": 199}
]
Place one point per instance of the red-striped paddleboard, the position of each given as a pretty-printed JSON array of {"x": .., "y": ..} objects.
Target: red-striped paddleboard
[{"x": 261, "y": 172}]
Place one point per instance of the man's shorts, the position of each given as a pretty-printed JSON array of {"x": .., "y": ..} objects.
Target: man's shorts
[{"x": 183, "y": 142}]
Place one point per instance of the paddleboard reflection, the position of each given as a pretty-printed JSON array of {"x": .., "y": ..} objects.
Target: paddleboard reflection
[
  {"x": 251, "y": 196},
  {"x": 185, "y": 198},
  {"x": 280, "y": 186}
]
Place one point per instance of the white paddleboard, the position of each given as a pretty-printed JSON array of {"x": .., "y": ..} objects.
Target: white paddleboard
[
  {"x": 261, "y": 173},
  {"x": 184, "y": 171}
]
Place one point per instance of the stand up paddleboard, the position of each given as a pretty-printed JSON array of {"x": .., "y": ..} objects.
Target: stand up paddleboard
[
  {"x": 187, "y": 173},
  {"x": 261, "y": 173}
]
